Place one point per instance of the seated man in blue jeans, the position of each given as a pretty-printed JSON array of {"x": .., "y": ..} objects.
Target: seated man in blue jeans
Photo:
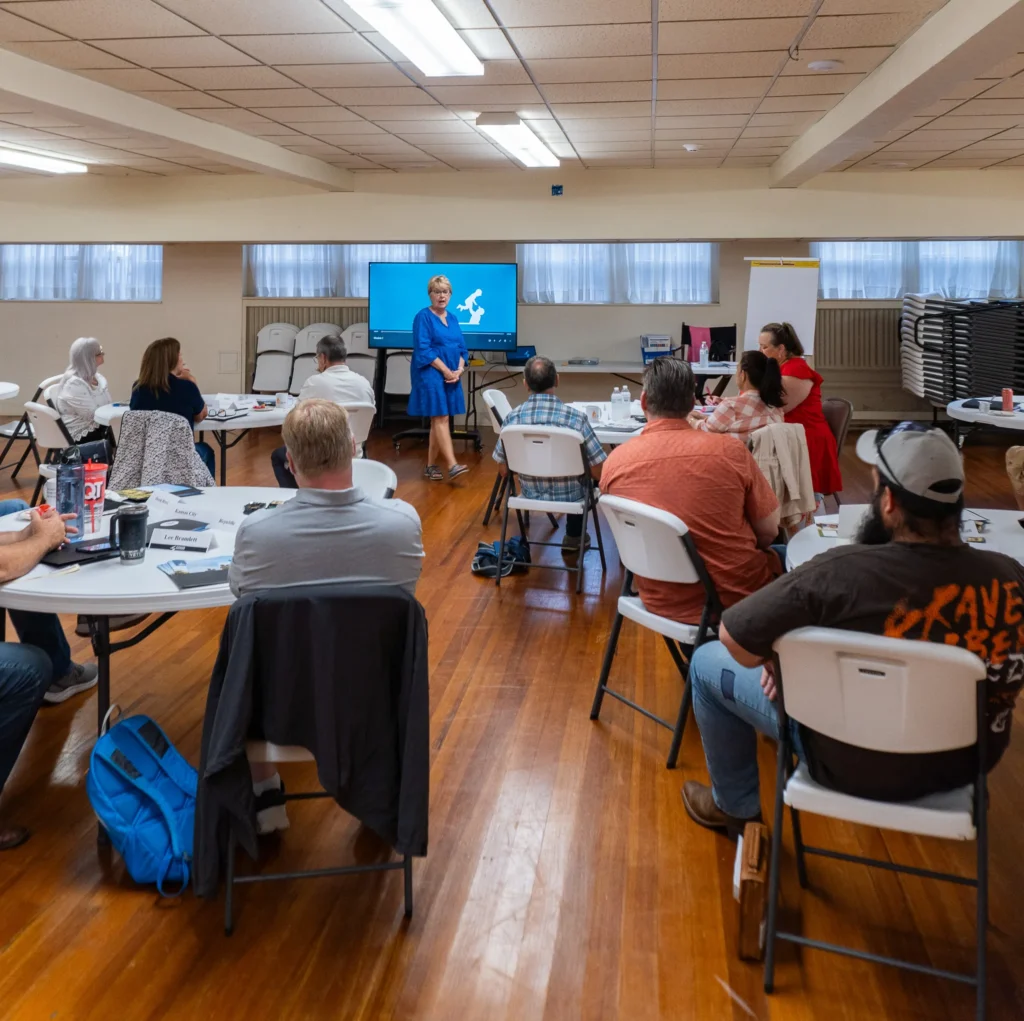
[
  {"x": 908, "y": 575},
  {"x": 40, "y": 667}
]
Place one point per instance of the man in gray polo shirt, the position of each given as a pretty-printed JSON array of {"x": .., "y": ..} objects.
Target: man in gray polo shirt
[{"x": 329, "y": 531}]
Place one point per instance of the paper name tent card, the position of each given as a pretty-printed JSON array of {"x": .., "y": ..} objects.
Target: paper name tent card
[{"x": 188, "y": 574}]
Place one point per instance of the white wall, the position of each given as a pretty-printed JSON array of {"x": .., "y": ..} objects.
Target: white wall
[{"x": 201, "y": 306}]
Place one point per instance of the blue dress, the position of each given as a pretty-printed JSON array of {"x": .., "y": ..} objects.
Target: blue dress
[{"x": 431, "y": 396}]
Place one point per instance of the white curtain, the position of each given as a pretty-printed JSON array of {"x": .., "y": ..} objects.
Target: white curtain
[
  {"x": 318, "y": 271},
  {"x": 876, "y": 270},
  {"x": 634, "y": 274},
  {"x": 81, "y": 272}
]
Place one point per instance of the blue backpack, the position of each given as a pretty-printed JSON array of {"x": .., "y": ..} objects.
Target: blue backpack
[{"x": 144, "y": 795}]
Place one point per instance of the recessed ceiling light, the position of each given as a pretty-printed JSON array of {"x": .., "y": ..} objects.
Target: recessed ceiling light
[
  {"x": 824, "y": 65},
  {"x": 691, "y": 146},
  {"x": 36, "y": 160}
]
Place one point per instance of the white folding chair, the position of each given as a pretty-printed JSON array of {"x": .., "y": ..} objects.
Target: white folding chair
[
  {"x": 306, "y": 340},
  {"x": 886, "y": 695},
  {"x": 357, "y": 339},
  {"x": 374, "y": 478},
  {"x": 275, "y": 347},
  {"x": 360, "y": 422},
  {"x": 364, "y": 365},
  {"x": 51, "y": 433},
  {"x": 498, "y": 408},
  {"x": 545, "y": 451},
  {"x": 655, "y": 544},
  {"x": 21, "y": 429}
]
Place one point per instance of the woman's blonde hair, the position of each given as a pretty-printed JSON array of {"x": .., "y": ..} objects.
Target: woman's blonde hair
[
  {"x": 440, "y": 282},
  {"x": 159, "y": 360}
]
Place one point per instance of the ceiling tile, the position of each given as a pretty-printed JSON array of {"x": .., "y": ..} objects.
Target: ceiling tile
[
  {"x": 572, "y": 70},
  {"x": 968, "y": 90},
  {"x": 184, "y": 99},
  {"x": 407, "y": 95},
  {"x": 488, "y": 44},
  {"x": 749, "y": 161},
  {"x": 715, "y": 121},
  {"x": 685, "y": 107},
  {"x": 696, "y": 134},
  {"x": 311, "y": 148},
  {"x": 197, "y": 51},
  {"x": 319, "y": 76},
  {"x": 939, "y": 136},
  {"x": 40, "y": 120},
  {"x": 242, "y": 119},
  {"x": 996, "y": 144},
  {"x": 1005, "y": 68},
  {"x": 712, "y": 88},
  {"x": 322, "y": 115},
  {"x": 938, "y": 108},
  {"x": 17, "y": 30},
  {"x": 496, "y": 72},
  {"x": 920, "y": 7},
  {"x": 720, "y": 65},
  {"x": 636, "y": 145},
  {"x": 349, "y": 138},
  {"x": 523, "y": 13},
  {"x": 598, "y": 92},
  {"x": 987, "y": 106},
  {"x": 855, "y": 61},
  {"x": 607, "y": 127},
  {"x": 584, "y": 41},
  {"x": 860, "y": 30},
  {"x": 326, "y": 48},
  {"x": 789, "y": 104},
  {"x": 429, "y": 115},
  {"x": 273, "y": 132},
  {"x": 272, "y": 97},
  {"x": 468, "y": 95},
  {"x": 815, "y": 84},
  {"x": 719, "y": 10},
  {"x": 17, "y": 133},
  {"x": 993, "y": 123},
  {"x": 572, "y": 111},
  {"x": 748, "y": 34},
  {"x": 133, "y": 79},
  {"x": 410, "y": 129},
  {"x": 776, "y": 141},
  {"x": 258, "y": 17},
  {"x": 72, "y": 56},
  {"x": 104, "y": 19},
  {"x": 767, "y": 131},
  {"x": 254, "y": 77},
  {"x": 1017, "y": 161}
]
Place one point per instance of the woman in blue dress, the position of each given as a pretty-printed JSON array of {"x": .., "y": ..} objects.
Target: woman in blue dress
[{"x": 438, "y": 361}]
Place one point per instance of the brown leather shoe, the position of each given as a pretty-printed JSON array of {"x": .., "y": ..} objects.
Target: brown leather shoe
[{"x": 701, "y": 808}]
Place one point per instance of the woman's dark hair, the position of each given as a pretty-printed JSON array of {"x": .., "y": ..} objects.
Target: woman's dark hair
[
  {"x": 159, "y": 360},
  {"x": 764, "y": 373},
  {"x": 783, "y": 335}
]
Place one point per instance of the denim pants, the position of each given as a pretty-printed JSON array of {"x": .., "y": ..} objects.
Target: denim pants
[
  {"x": 42, "y": 630},
  {"x": 205, "y": 452},
  {"x": 283, "y": 474},
  {"x": 26, "y": 671},
  {"x": 731, "y": 709}
]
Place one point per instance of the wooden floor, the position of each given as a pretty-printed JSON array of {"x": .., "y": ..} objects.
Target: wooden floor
[{"x": 564, "y": 879}]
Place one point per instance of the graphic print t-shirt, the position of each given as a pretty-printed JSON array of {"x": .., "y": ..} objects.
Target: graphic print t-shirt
[{"x": 957, "y": 595}]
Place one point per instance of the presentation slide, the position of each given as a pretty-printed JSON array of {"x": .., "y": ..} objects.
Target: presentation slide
[{"x": 483, "y": 300}]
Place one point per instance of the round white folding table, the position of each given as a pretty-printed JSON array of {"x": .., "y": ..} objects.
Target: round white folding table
[
  {"x": 105, "y": 588},
  {"x": 976, "y": 417},
  {"x": 1002, "y": 533},
  {"x": 219, "y": 427},
  {"x": 608, "y": 432},
  {"x": 9, "y": 390}
]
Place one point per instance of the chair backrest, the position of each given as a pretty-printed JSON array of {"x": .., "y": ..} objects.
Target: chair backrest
[
  {"x": 398, "y": 379},
  {"x": 374, "y": 478},
  {"x": 308, "y": 337},
  {"x": 360, "y": 420},
  {"x": 545, "y": 451},
  {"x": 276, "y": 337},
  {"x": 47, "y": 426},
  {"x": 50, "y": 381},
  {"x": 498, "y": 407},
  {"x": 302, "y": 368},
  {"x": 157, "y": 447},
  {"x": 649, "y": 540},
  {"x": 365, "y": 365},
  {"x": 838, "y": 413},
  {"x": 357, "y": 338},
  {"x": 49, "y": 394},
  {"x": 885, "y": 694},
  {"x": 273, "y": 372}
]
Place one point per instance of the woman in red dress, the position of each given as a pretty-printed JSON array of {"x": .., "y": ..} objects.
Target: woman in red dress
[{"x": 802, "y": 390}]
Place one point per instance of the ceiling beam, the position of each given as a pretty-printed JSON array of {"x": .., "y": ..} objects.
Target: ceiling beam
[
  {"x": 95, "y": 102},
  {"x": 959, "y": 42}
]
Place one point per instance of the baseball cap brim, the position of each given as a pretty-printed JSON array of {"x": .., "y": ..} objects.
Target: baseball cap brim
[{"x": 867, "y": 446}]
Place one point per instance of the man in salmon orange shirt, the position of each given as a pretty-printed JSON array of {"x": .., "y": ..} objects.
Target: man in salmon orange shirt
[{"x": 709, "y": 481}]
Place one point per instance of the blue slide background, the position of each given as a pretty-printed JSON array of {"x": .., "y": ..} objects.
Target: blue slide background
[{"x": 398, "y": 290}]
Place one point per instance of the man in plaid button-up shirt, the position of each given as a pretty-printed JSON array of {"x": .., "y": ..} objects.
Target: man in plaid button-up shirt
[{"x": 542, "y": 407}]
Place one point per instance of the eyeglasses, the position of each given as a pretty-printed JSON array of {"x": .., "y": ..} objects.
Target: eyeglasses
[{"x": 884, "y": 434}]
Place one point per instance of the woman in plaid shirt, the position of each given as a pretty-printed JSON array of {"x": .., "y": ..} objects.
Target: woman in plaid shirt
[{"x": 759, "y": 402}]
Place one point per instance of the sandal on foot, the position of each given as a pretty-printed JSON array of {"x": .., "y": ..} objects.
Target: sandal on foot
[
  {"x": 433, "y": 473},
  {"x": 456, "y": 470}
]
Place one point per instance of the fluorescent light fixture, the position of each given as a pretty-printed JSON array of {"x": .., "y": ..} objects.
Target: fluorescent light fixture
[
  {"x": 517, "y": 139},
  {"x": 40, "y": 161},
  {"x": 422, "y": 33}
]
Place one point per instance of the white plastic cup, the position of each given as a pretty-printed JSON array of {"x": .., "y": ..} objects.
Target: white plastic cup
[{"x": 281, "y": 400}]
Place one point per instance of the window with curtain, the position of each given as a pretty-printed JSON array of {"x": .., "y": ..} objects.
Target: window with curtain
[
  {"x": 627, "y": 274},
  {"x": 876, "y": 270},
  {"x": 318, "y": 271},
  {"x": 81, "y": 272}
]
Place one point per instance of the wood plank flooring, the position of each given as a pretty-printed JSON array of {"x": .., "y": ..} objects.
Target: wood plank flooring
[{"x": 564, "y": 879}]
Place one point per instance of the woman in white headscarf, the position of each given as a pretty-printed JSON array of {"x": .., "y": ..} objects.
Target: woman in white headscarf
[{"x": 83, "y": 390}]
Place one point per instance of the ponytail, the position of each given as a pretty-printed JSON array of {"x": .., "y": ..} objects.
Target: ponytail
[
  {"x": 783, "y": 335},
  {"x": 765, "y": 374}
]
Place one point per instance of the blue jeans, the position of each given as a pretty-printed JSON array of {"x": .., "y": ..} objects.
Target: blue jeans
[
  {"x": 205, "y": 451},
  {"x": 42, "y": 630},
  {"x": 731, "y": 709},
  {"x": 25, "y": 674}
]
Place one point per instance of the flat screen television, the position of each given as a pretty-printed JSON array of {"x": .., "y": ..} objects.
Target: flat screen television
[{"x": 484, "y": 296}]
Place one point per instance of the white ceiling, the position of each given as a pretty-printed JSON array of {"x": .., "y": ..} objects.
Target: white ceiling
[{"x": 309, "y": 76}]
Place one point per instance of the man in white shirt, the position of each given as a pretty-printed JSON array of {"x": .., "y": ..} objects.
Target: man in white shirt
[{"x": 332, "y": 381}]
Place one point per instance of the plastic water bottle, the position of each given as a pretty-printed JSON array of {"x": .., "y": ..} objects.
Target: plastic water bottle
[
  {"x": 704, "y": 352},
  {"x": 627, "y": 402},
  {"x": 71, "y": 491},
  {"x": 616, "y": 400}
]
